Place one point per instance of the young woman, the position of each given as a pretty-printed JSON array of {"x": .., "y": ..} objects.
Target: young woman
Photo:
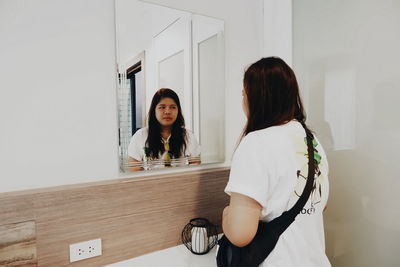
[
  {"x": 165, "y": 142},
  {"x": 270, "y": 167}
]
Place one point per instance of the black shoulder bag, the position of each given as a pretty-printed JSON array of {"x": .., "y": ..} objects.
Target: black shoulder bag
[{"x": 253, "y": 254}]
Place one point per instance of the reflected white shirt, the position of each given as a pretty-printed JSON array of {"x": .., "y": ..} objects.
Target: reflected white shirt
[{"x": 137, "y": 145}]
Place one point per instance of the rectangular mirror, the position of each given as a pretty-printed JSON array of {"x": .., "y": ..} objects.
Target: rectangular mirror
[{"x": 160, "y": 47}]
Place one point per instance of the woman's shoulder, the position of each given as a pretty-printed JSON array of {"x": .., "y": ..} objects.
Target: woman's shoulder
[
  {"x": 270, "y": 134},
  {"x": 269, "y": 138},
  {"x": 189, "y": 133},
  {"x": 251, "y": 143},
  {"x": 141, "y": 133}
]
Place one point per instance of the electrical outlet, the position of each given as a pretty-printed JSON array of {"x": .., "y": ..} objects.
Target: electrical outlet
[{"x": 84, "y": 250}]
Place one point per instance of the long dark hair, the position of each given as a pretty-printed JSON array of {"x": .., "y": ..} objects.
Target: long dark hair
[
  {"x": 178, "y": 139},
  {"x": 273, "y": 96}
]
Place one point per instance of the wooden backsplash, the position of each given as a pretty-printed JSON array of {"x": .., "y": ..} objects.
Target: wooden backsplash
[{"x": 132, "y": 216}]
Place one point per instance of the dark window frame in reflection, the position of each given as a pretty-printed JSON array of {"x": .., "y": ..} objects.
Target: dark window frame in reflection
[{"x": 131, "y": 75}]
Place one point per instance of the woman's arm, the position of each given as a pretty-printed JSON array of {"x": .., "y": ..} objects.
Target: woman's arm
[
  {"x": 134, "y": 164},
  {"x": 240, "y": 219},
  {"x": 195, "y": 161},
  {"x": 193, "y": 148}
]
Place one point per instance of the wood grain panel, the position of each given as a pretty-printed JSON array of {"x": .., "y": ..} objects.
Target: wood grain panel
[
  {"x": 18, "y": 244},
  {"x": 132, "y": 216},
  {"x": 16, "y": 208}
]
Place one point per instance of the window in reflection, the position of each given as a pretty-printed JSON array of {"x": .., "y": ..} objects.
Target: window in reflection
[{"x": 134, "y": 76}]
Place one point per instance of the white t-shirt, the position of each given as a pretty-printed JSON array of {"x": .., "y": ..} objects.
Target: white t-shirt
[
  {"x": 137, "y": 145},
  {"x": 271, "y": 166}
]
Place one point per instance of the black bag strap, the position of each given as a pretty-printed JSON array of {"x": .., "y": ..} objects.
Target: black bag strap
[
  {"x": 268, "y": 233},
  {"x": 282, "y": 222},
  {"x": 296, "y": 209}
]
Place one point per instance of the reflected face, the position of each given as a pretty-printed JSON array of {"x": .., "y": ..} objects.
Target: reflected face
[{"x": 166, "y": 112}]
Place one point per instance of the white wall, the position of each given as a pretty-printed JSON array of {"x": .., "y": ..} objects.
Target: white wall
[
  {"x": 58, "y": 110},
  {"x": 209, "y": 78},
  {"x": 137, "y": 24},
  {"x": 57, "y": 93},
  {"x": 277, "y": 22},
  {"x": 346, "y": 56}
]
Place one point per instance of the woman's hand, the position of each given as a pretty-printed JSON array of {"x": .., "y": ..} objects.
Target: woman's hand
[
  {"x": 134, "y": 165},
  {"x": 195, "y": 160}
]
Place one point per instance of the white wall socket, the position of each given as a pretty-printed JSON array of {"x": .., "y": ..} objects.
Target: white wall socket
[{"x": 84, "y": 250}]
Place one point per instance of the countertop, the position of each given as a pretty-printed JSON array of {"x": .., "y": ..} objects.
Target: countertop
[{"x": 178, "y": 256}]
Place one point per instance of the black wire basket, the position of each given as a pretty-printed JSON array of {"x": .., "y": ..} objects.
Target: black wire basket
[{"x": 199, "y": 236}]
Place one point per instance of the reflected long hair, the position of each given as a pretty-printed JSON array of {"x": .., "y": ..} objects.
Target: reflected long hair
[
  {"x": 178, "y": 139},
  {"x": 273, "y": 96}
]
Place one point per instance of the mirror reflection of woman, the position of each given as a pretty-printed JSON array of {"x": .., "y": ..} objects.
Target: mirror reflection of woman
[{"x": 166, "y": 141}]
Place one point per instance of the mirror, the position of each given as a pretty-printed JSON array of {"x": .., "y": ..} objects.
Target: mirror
[{"x": 160, "y": 47}]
